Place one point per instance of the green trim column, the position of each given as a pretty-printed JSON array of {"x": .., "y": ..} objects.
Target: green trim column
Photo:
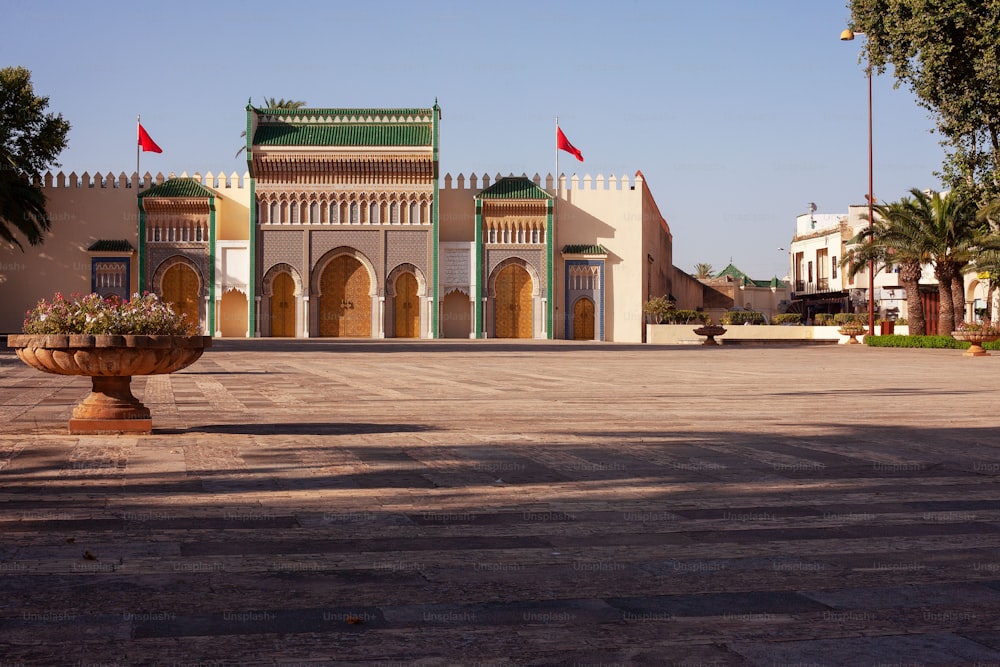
[
  {"x": 479, "y": 269},
  {"x": 549, "y": 271},
  {"x": 141, "y": 242},
  {"x": 252, "y": 286},
  {"x": 211, "y": 266},
  {"x": 435, "y": 222}
]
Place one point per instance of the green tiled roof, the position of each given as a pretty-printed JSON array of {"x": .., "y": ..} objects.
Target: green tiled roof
[
  {"x": 584, "y": 250},
  {"x": 742, "y": 278},
  {"x": 344, "y": 127},
  {"x": 343, "y": 134},
  {"x": 178, "y": 187},
  {"x": 345, "y": 113},
  {"x": 110, "y": 245},
  {"x": 514, "y": 187}
]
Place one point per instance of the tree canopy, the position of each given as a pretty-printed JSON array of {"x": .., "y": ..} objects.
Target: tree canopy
[
  {"x": 948, "y": 54},
  {"x": 30, "y": 142}
]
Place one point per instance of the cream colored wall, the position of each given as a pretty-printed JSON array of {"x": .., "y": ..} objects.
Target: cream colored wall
[
  {"x": 608, "y": 212},
  {"x": 233, "y": 215},
  {"x": 457, "y": 217},
  {"x": 81, "y": 213},
  {"x": 85, "y": 209}
]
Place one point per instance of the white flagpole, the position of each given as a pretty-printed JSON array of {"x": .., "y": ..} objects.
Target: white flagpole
[{"x": 138, "y": 177}]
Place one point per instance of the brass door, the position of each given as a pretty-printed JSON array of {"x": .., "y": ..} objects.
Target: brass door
[
  {"x": 513, "y": 303},
  {"x": 406, "y": 309},
  {"x": 583, "y": 319},
  {"x": 180, "y": 290},
  {"x": 283, "y": 306},
  {"x": 345, "y": 308}
]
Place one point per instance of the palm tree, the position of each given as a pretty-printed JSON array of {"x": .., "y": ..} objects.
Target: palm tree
[
  {"x": 271, "y": 103},
  {"x": 703, "y": 270},
  {"x": 893, "y": 240}
]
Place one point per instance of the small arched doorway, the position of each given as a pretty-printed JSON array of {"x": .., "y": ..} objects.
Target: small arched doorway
[
  {"x": 583, "y": 319},
  {"x": 233, "y": 314},
  {"x": 456, "y": 316},
  {"x": 283, "y": 306},
  {"x": 345, "y": 302},
  {"x": 513, "y": 314},
  {"x": 180, "y": 287},
  {"x": 406, "y": 307}
]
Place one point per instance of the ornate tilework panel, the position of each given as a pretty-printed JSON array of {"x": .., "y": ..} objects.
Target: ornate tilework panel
[
  {"x": 282, "y": 246},
  {"x": 408, "y": 247},
  {"x": 156, "y": 254},
  {"x": 533, "y": 256},
  {"x": 364, "y": 241}
]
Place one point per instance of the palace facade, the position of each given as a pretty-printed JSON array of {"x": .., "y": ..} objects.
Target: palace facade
[{"x": 343, "y": 226}]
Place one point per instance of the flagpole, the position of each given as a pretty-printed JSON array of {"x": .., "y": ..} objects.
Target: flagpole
[{"x": 138, "y": 122}]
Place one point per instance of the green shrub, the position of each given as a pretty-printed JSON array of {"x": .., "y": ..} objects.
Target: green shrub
[
  {"x": 935, "y": 342},
  {"x": 742, "y": 317},
  {"x": 685, "y": 317},
  {"x": 787, "y": 318},
  {"x": 658, "y": 308},
  {"x": 823, "y": 319},
  {"x": 841, "y": 319}
]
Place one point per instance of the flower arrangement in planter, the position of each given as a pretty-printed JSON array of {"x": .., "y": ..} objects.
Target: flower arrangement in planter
[
  {"x": 976, "y": 333},
  {"x": 710, "y": 331},
  {"x": 851, "y": 325},
  {"x": 109, "y": 340}
]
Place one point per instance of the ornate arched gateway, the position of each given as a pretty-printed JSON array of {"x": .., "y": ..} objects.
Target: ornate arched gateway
[
  {"x": 345, "y": 308},
  {"x": 583, "y": 319},
  {"x": 406, "y": 307},
  {"x": 513, "y": 309},
  {"x": 282, "y": 315},
  {"x": 180, "y": 286}
]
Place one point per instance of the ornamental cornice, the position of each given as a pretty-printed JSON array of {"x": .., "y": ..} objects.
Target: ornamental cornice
[{"x": 175, "y": 205}]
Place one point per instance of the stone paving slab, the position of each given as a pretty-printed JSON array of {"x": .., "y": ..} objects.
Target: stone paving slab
[{"x": 509, "y": 503}]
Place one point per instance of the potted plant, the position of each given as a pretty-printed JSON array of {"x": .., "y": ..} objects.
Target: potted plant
[
  {"x": 710, "y": 331},
  {"x": 109, "y": 340},
  {"x": 976, "y": 333},
  {"x": 851, "y": 325}
]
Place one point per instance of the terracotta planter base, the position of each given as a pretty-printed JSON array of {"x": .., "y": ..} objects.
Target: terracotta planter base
[
  {"x": 975, "y": 350},
  {"x": 110, "y": 426}
]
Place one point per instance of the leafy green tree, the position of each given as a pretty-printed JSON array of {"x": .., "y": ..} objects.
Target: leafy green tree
[
  {"x": 703, "y": 270},
  {"x": 947, "y": 53},
  {"x": 894, "y": 240},
  {"x": 30, "y": 142},
  {"x": 271, "y": 103}
]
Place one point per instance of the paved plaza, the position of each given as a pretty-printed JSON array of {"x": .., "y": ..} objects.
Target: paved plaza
[{"x": 492, "y": 503}]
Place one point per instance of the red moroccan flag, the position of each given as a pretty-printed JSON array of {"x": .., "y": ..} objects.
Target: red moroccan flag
[
  {"x": 562, "y": 143},
  {"x": 147, "y": 142}
]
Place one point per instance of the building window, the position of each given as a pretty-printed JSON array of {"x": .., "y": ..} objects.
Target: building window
[
  {"x": 833, "y": 267},
  {"x": 373, "y": 217},
  {"x": 355, "y": 212},
  {"x": 394, "y": 213},
  {"x": 313, "y": 213},
  {"x": 334, "y": 213},
  {"x": 414, "y": 213},
  {"x": 809, "y": 272}
]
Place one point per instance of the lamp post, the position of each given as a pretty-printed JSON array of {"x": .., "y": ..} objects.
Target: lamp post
[{"x": 846, "y": 36}]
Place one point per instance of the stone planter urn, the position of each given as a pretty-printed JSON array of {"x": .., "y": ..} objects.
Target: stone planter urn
[
  {"x": 710, "y": 331},
  {"x": 975, "y": 340},
  {"x": 852, "y": 332},
  {"x": 110, "y": 361}
]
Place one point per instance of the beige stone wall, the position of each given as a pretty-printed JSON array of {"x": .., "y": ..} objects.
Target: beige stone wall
[{"x": 85, "y": 209}]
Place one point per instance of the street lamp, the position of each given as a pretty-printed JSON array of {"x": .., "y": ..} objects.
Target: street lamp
[{"x": 846, "y": 36}]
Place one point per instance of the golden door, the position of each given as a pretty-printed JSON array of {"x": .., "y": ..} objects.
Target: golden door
[
  {"x": 345, "y": 308},
  {"x": 406, "y": 310},
  {"x": 180, "y": 290},
  {"x": 283, "y": 306},
  {"x": 513, "y": 303},
  {"x": 583, "y": 319}
]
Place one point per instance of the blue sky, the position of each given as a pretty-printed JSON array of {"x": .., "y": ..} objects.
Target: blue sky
[{"x": 738, "y": 113}]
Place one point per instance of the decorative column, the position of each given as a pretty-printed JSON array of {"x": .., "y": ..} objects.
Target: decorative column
[
  {"x": 430, "y": 317},
  {"x": 472, "y": 317},
  {"x": 256, "y": 321},
  {"x": 305, "y": 316},
  {"x": 381, "y": 317}
]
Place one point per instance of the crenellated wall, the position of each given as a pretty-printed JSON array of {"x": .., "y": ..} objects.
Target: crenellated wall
[{"x": 85, "y": 208}]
